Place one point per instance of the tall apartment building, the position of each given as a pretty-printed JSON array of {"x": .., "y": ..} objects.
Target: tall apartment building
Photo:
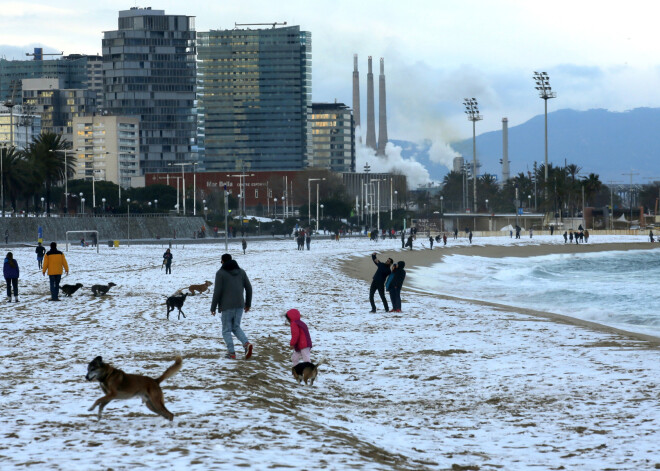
[
  {"x": 56, "y": 104},
  {"x": 149, "y": 72},
  {"x": 25, "y": 128},
  {"x": 255, "y": 95},
  {"x": 107, "y": 148},
  {"x": 333, "y": 137}
]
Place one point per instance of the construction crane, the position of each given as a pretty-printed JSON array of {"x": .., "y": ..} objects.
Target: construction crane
[
  {"x": 273, "y": 25},
  {"x": 38, "y": 54}
]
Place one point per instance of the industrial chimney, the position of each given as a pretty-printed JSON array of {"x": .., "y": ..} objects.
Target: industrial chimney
[
  {"x": 371, "y": 122},
  {"x": 505, "y": 151},
  {"x": 382, "y": 111},
  {"x": 356, "y": 92}
]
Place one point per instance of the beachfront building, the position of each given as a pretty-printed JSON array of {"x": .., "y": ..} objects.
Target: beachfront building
[
  {"x": 255, "y": 95},
  {"x": 107, "y": 148},
  {"x": 333, "y": 137},
  {"x": 149, "y": 72}
]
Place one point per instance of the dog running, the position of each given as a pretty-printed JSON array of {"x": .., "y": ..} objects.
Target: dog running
[
  {"x": 201, "y": 288},
  {"x": 176, "y": 302},
  {"x": 305, "y": 371},
  {"x": 102, "y": 289},
  {"x": 119, "y": 385},
  {"x": 68, "y": 290}
]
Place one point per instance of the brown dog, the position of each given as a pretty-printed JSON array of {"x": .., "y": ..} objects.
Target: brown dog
[
  {"x": 199, "y": 288},
  {"x": 119, "y": 385},
  {"x": 305, "y": 371}
]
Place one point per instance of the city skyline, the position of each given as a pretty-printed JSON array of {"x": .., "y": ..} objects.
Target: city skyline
[{"x": 437, "y": 54}]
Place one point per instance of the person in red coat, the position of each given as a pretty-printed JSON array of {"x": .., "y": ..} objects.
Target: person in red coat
[{"x": 301, "y": 342}]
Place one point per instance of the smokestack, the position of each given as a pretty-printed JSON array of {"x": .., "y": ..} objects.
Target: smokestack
[
  {"x": 356, "y": 92},
  {"x": 382, "y": 111},
  {"x": 505, "y": 151},
  {"x": 371, "y": 124}
]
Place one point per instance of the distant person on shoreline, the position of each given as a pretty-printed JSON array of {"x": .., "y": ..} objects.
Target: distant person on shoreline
[
  {"x": 431, "y": 241},
  {"x": 444, "y": 238},
  {"x": 40, "y": 251},
  {"x": 570, "y": 236},
  {"x": 455, "y": 233},
  {"x": 586, "y": 236},
  {"x": 470, "y": 236},
  {"x": 651, "y": 236},
  {"x": 410, "y": 242},
  {"x": 244, "y": 245},
  {"x": 565, "y": 237},
  {"x": 531, "y": 232},
  {"x": 378, "y": 281}
]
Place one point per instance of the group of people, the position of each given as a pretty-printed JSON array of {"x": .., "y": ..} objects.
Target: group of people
[
  {"x": 303, "y": 238},
  {"x": 389, "y": 276},
  {"x": 579, "y": 236}
]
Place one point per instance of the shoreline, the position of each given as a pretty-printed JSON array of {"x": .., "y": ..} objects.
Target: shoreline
[{"x": 361, "y": 268}]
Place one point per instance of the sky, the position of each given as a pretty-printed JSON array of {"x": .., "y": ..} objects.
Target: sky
[{"x": 598, "y": 55}]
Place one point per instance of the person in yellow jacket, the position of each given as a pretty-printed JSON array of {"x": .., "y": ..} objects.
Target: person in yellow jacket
[{"x": 54, "y": 264}]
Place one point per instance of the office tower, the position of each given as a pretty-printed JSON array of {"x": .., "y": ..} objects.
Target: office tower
[
  {"x": 149, "y": 72},
  {"x": 101, "y": 143},
  {"x": 333, "y": 137},
  {"x": 255, "y": 95}
]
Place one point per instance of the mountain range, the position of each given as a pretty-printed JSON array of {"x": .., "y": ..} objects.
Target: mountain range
[{"x": 610, "y": 144}]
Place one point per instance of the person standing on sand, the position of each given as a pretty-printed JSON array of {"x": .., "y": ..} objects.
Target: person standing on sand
[
  {"x": 586, "y": 236},
  {"x": 455, "y": 233},
  {"x": 470, "y": 237},
  {"x": 167, "y": 261},
  {"x": 410, "y": 242},
  {"x": 396, "y": 282},
  {"x": 54, "y": 263},
  {"x": 244, "y": 245},
  {"x": 11, "y": 273},
  {"x": 444, "y": 238},
  {"x": 531, "y": 232},
  {"x": 431, "y": 242},
  {"x": 40, "y": 251},
  {"x": 651, "y": 236},
  {"x": 230, "y": 283},
  {"x": 378, "y": 281},
  {"x": 565, "y": 237},
  {"x": 570, "y": 236}
]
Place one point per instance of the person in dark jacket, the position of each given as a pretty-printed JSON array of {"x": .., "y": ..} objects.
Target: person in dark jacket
[
  {"x": 431, "y": 242},
  {"x": 230, "y": 283},
  {"x": 244, "y": 245},
  {"x": 301, "y": 342},
  {"x": 40, "y": 251},
  {"x": 410, "y": 242},
  {"x": 378, "y": 281},
  {"x": 651, "y": 236},
  {"x": 11, "y": 272},
  {"x": 167, "y": 261},
  {"x": 403, "y": 239},
  {"x": 395, "y": 283}
]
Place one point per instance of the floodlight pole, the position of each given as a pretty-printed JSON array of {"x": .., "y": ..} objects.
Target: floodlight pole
[
  {"x": 542, "y": 80},
  {"x": 472, "y": 110}
]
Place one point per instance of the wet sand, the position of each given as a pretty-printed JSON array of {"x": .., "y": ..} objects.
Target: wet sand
[{"x": 363, "y": 269}]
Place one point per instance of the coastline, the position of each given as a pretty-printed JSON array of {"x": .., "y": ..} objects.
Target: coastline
[{"x": 361, "y": 268}]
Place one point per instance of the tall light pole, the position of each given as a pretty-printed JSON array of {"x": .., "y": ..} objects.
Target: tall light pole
[
  {"x": 128, "y": 215},
  {"x": 472, "y": 111},
  {"x": 390, "y": 198},
  {"x": 183, "y": 182},
  {"x": 309, "y": 198},
  {"x": 2, "y": 179},
  {"x": 317, "y": 207},
  {"x": 81, "y": 206},
  {"x": 442, "y": 213},
  {"x": 275, "y": 207},
  {"x": 66, "y": 152},
  {"x": 542, "y": 81},
  {"x": 103, "y": 201},
  {"x": 377, "y": 180}
]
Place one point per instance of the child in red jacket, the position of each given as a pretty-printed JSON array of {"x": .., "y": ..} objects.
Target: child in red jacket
[{"x": 301, "y": 342}]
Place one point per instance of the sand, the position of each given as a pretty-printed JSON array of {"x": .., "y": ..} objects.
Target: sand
[{"x": 363, "y": 269}]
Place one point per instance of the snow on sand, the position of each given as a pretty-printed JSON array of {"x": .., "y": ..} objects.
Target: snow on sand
[{"x": 444, "y": 383}]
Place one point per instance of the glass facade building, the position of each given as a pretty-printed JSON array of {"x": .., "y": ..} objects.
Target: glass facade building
[
  {"x": 149, "y": 72},
  {"x": 254, "y": 99},
  {"x": 333, "y": 136}
]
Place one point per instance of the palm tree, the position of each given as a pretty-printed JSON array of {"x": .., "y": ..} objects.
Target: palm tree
[
  {"x": 44, "y": 153},
  {"x": 592, "y": 186},
  {"x": 16, "y": 175}
]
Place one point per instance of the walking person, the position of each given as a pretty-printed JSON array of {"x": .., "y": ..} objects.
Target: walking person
[
  {"x": 301, "y": 342},
  {"x": 403, "y": 239},
  {"x": 231, "y": 282},
  {"x": 444, "y": 238},
  {"x": 431, "y": 242},
  {"x": 651, "y": 236},
  {"x": 410, "y": 242},
  {"x": 6, "y": 236},
  {"x": 378, "y": 281},
  {"x": 455, "y": 233},
  {"x": 531, "y": 232},
  {"x": 11, "y": 272},
  {"x": 40, "y": 251},
  {"x": 470, "y": 237},
  {"x": 395, "y": 282},
  {"x": 55, "y": 264},
  {"x": 565, "y": 237},
  {"x": 308, "y": 239},
  {"x": 586, "y": 236},
  {"x": 167, "y": 261},
  {"x": 244, "y": 245}
]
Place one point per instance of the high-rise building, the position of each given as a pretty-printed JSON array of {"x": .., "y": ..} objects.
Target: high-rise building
[
  {"x": 25, "y": 128},
  {"x": 255, "y": 95},
  {"x": 106, "y": 148},
  {"x": 333, "y": 137},
  {"x": 149, "y": 72}
]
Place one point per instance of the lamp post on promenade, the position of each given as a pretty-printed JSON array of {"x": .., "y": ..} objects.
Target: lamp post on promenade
[
  {"x": 309, "y": 199},
  {"x": 472, "y": 110},
  {"x": 542, "y": 80}
]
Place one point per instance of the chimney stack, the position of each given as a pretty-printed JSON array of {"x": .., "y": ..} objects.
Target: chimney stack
[
  {"x": 382, "y": 111},
  {"x": 356, "y": 92},
  {"x": 505, "y": 151},
  {"x": 371, "y": 122}
]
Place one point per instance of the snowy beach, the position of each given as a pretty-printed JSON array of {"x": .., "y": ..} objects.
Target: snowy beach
[{"x": 445, "y": 383}]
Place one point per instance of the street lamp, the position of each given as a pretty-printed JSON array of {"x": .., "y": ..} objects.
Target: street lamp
[
  {"x": 103, "y": 201},
  {"x": 83, "y": 205},
  {"x": 378, "y": 180},
  {"x": 321, "y": 211},
  {"x": 183, "y": 179},
  {"x": 529, "y": 202},
  {"x": 42, "y": 205},
  {"x": 66, "y": 177},
  {"x": 542, "y": 80},
  {"x": 309, "y": 198},
  {"x": 275, "y": 208},
  {"x": 128, "y": 220},
  {"x": 442, "y": 213},
  {"x": 472, "y": 110},
  {"x": 156, "y": 204},
  {"x": 81, "y": 208}
]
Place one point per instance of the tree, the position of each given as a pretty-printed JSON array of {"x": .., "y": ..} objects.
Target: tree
[
  {"x": 452, "y": 191},
  {"x": 592, "y": 186}
]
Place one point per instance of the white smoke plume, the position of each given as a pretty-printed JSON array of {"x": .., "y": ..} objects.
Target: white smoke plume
[{"x": 392, "y": 161}]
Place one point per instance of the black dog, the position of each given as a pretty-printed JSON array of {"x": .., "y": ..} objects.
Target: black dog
[
  {"x": 102, "y": 289},
  {"x": 68, "y": 290},
  {"x": 176, "y": 302}
]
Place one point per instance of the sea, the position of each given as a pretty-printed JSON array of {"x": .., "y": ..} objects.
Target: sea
[{"x": 617, "y": 288}]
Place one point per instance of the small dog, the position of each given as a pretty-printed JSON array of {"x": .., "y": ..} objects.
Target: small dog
[
  {"x": 305, "y": 371},
  {"x": 68, "y": 290},
  {"x": 119, "y": 385},
  {"x": 199, "y": 288},
  {"x": 102, "y": 289},
  {"x": 176, "y": 302}
]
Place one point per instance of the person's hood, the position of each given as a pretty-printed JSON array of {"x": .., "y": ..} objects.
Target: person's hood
[
  {"x": 6, "y": 260},
  {"x": 401, "y": 265},
  {"x": 293, "y": 315},
  {"x": 231, "y": 266}
]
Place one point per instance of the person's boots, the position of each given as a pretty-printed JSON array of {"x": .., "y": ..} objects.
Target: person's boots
[{"x": 15, "y": 299}]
